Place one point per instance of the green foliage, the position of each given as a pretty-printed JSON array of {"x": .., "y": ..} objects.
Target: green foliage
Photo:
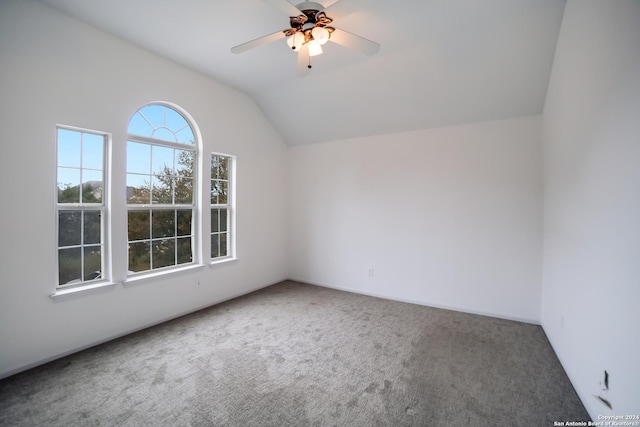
[
  {"x": 220, "y": 171},
  {"x": 219, "y": 179},
  {"x": 91, "y": 193},
  {"x": 139, "y": 256},
  {"x": 171, "y": 186}
]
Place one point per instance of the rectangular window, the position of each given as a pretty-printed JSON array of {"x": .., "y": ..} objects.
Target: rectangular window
[
  {"x": 161, "y": 204},
  {"x": 221, "y": 206},
  {"x": 80, "y": 205}
]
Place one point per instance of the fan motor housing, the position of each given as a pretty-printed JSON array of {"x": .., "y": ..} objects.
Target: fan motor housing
[
  {"x": 310, "y": 5},
  {"x": 309, "y": 10}
]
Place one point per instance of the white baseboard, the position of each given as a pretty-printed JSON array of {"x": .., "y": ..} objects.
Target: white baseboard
[{"x": 424, "y": 303}]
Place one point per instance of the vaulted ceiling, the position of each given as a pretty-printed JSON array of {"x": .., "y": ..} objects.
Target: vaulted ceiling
[{"x": 441, "y": 62}]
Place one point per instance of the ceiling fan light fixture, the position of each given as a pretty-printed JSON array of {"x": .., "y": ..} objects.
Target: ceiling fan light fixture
[
  {"x": 314, "y": 48},
  {"x": 295, "y": 41},
  {"x": 309, "y": 29},
  {"x": 320, "y": 35}
]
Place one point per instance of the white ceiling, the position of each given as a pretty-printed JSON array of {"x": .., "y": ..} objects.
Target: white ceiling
[{"x": 441, "y": 62}]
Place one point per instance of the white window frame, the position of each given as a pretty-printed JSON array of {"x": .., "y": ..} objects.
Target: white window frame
[
  {"x": 174, "y": 207},
  {"x": 229, "y": 207},
  {"x": 103, "y": 208}
]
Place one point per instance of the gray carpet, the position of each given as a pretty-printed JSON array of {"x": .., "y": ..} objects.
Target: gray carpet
[{"x": 299, "y": 355}]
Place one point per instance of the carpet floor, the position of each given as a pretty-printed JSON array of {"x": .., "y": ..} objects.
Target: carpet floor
[{"x": 299, "y": 355}]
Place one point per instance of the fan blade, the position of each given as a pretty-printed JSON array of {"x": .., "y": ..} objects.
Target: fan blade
[
  {"x": 257, "y": 42},
  {"x": 353, "y": 41},
  {"x": 302, "y": 64},
  {"x": 341, "y": 8},
  {"x": 286, "y": 7}
]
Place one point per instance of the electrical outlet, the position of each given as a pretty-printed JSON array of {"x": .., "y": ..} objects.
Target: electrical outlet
[
  {"x": 198, "y": 282},
  {"x": 371, "y": 272}
]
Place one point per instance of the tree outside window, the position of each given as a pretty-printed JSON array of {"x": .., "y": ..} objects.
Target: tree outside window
[{"x": 161, "y": 182}]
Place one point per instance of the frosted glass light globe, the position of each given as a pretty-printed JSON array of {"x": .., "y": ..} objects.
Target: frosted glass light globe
[
  {"x": 295, "y": 41},
  {"x": 314, "y": 48},
  {"x": 320, "y": 34}
]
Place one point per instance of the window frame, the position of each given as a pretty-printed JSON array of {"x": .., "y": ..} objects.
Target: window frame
[
  {"x": 152, "y": 207},
  {"x": 229, "y": 207},
  {"x": 103, "y": 208}
]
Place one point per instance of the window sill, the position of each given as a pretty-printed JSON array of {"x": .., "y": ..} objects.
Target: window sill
[
  {"x": 144, "y": 277},
  {"x": 79, "y": 290},
  {"x": 221, "y": 261}
]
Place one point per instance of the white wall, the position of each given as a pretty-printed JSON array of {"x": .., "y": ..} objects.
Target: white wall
[
  {"x": 56, "y": 70},
  {"x": 448, "y": 217},
  {"x": 591, "y": 290}
]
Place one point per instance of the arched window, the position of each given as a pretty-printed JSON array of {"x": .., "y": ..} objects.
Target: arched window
[{"x": 162, "y": 159}]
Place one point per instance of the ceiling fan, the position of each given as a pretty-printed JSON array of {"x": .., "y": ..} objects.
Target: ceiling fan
[{"x": 310, "y": 28}]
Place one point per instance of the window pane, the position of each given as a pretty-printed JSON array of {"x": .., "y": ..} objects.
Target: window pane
[
  {"x": 68, "y": 185},
  {"x": 164, "y": 134},
  {"x": 173, "y": 119},
  {"x": 223, "y": 220},
  {"x": 69, "y": 265},
  {"x": 138, "y": 189},
  {"x": 224, "y": 190},
  {"x": 139, "y": 225},
  {"x": 69, "y": 228},
  {"x": 139, "y": 126},
  {"x": 184, "y": 191},
  {"x": 219, "y": 191},
  {"x": 154, "y": 114},
  {"x": 90, "y": 175},
  {"x": 164, "y": 253},
  {"x": 139, "y": 256},
  {"x": 138, "y": 158},
  {"x": 215, "y": 252},
  {"x": 215, "y": 215},
  {"x": 184, "y": 222},
  {"x": 92, "y": 186},
  {"x": 92, "y": 263},
  {"x": 184, "y": 250},
  {"x": 162, "y": 160},
  {"x": 185, "y": 136},
  {"x": 68, "y": 148},
  {"x": 161, "y": 191},
  {"x": 215, "y": 161},
  {"x": 184, "y": 163},
  {"x": 223, "y": 168},
  {"x": 163, "y": 224},
  {"x": 92, "y": 228},
  {"x": 215, "y": 190},
  {"x": 166, "y": 123},
  {"x": 223, "y": 244},
  {"x": 92, "y": 151}
]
